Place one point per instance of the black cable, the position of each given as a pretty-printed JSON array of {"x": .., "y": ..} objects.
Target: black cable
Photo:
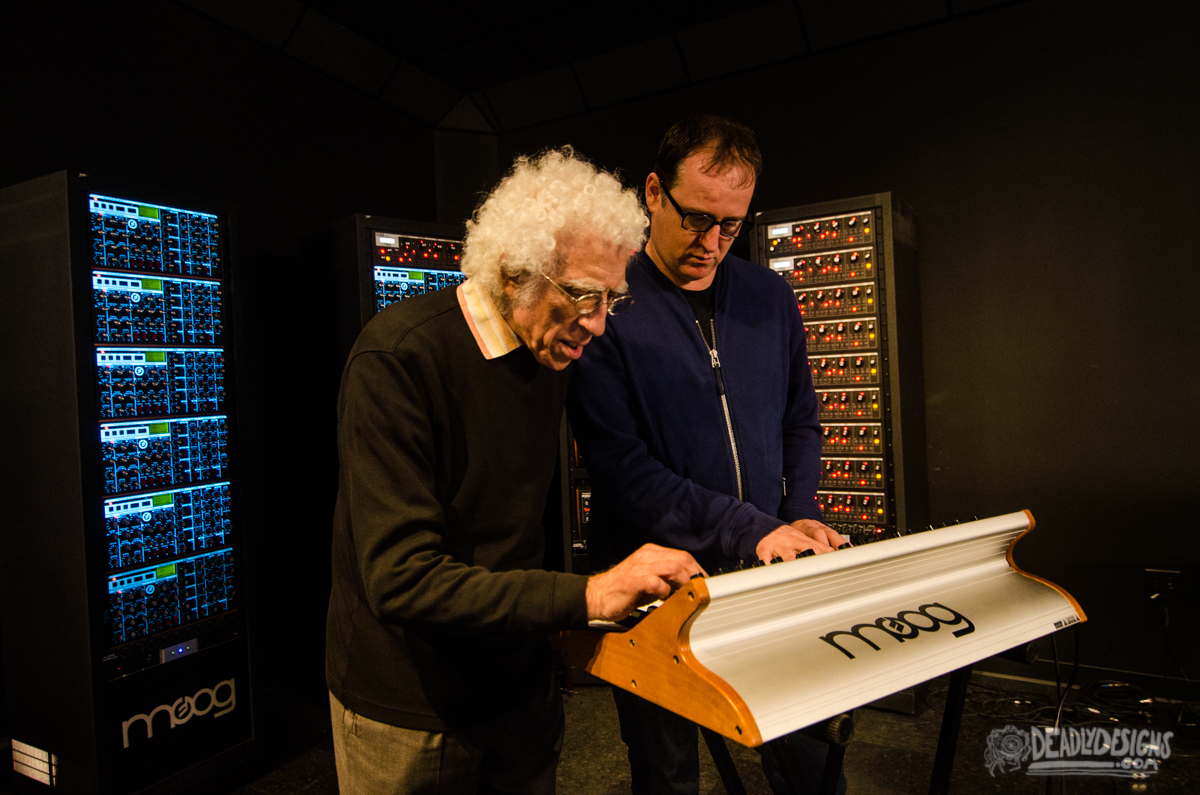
[
  {"x": 1061, "y": 692},
  {"x": 1170, "y": 655},
  {"x": 1058, "y": 696},
  {"x": 1117, "y": 700},
  {"x": 1070, "y": 682},
  {"x": 997, "y": 703},
  {"x": 1057, "y": 674}
]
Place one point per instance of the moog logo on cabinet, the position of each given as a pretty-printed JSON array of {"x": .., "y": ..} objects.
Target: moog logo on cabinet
[{"x": 217, "y": 701}]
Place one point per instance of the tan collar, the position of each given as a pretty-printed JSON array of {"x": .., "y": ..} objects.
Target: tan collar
[{"x": 493, "y": 335}]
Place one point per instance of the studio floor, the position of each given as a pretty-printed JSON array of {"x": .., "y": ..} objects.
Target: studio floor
[{"x": 892, "y": 753}]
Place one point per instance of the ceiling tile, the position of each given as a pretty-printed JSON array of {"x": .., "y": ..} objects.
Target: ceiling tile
[
  {"x": 536, "y": 98},
  {"x": 633, "y": 71},
  {"x": 466, "y": 116},
  {"x": 833, "y": 22},
  {"x": 420, "y": 94},
  {"x": 751, "y": 38},
  {"x": 481, "y": 102},
  {"x": 269, "y": 21},
  {"x": 967, "y": 6},
  {"x": 323, "y": 43}
]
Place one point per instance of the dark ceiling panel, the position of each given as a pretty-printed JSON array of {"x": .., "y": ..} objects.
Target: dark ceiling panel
[
  {"x": 424, "y": 96},
  {"x": 474, "y": 45},
  {"x": 967, "y": 6},
  {"x": 481, "y": 101},
  {"x": 420, "y": 33},
  {"x": 470, "y": 45},
  {"x": 539, "y": 60},
  {"x": 633, "y": 71},
  {"x": 323, "y": 43},
  {"x": 833, "y": 22},
  {"x": 751, "y": 38},
  {"x": 474, "y": 67},
  {"x": 269, "y": 21},
  {"x": 466, "y": 116},
  {"x": 536, "y": 98}
]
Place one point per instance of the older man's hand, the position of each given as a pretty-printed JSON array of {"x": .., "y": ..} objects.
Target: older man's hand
[
  {"x": 651, "y": 573},
  {"x": 789, "y": 540}
]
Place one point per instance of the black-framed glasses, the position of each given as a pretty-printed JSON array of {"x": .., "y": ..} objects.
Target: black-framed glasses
[
  {"x": 702, "y": 222},
  {"x": 588, "y": 303}
]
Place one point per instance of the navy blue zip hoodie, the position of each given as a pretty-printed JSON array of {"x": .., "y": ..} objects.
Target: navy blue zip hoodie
[{"x": 645, "y": 405}]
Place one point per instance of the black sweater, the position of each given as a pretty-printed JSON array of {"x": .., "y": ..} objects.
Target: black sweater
[{"x": 439, "y": 612}]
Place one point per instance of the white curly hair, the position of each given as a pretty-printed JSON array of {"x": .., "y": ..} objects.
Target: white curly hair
[{"x": 544, "y": 199}]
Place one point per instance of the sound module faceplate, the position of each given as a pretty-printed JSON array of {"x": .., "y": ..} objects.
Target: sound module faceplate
[
  {"x": 149, "y": 237},
  {"x": 157, "y": 295},
  {"x": 404, "y": 266},
  {"x": 152, "y": 382},
  {"x": 852, "y": 265}
]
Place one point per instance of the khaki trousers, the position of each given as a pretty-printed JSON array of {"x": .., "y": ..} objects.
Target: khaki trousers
[{"x": 515, "y": 753}]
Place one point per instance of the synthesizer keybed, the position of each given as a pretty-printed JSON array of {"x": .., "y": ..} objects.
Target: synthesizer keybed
[{"x": 867, "y": 621}]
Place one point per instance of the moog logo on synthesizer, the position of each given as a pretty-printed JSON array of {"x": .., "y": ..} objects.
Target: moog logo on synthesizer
[
  {"x": 185, "y": 708},
  {"x": 905, "y": 625}
]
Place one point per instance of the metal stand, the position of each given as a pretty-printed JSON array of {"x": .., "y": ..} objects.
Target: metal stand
[
  {"x": 943, "y": 763},
  {"x": 723, "y": 761},
  {"x": 787, "y": 766},
  {"x": 833, "y": 769},
  {"x": 836, "y": 732}
]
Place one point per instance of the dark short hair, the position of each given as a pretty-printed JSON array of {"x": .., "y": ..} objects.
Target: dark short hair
[{"x": 733, "y": 146}]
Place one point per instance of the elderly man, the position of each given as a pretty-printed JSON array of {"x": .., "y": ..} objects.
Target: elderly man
[
  {"x": 438, "y": 667},
  {"x": 696, "y": 414}
]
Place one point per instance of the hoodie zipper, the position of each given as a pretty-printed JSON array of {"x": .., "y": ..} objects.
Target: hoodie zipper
[{"x": 716, "y": 366}]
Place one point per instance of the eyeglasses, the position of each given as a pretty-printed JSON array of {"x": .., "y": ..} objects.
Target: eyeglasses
[
  {"x": 702, "y": 222},
  {"x": 588, "y": 303}
]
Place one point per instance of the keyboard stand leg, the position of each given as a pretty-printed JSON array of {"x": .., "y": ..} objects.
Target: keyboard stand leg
[
  {"x": 833, "y": 769},
  {"x": 723, "y": 761},
  {"x": 783, "y": 761},
  {"x": 943, "y": 763}
]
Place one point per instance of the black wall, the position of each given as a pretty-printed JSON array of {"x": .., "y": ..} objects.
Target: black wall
[
  {"x": 1049, "y": 152},
  {"x": 155, "y": 94},
  {"x": 1048, "y": 149}
]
